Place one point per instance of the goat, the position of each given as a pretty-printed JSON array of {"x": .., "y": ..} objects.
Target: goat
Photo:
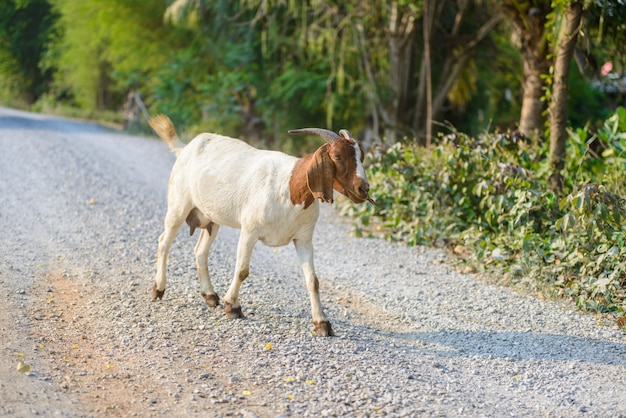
[{"x": 269, "y": 195}]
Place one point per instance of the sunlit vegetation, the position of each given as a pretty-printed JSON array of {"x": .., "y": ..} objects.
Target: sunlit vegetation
[{"x": 485, "y": 199}]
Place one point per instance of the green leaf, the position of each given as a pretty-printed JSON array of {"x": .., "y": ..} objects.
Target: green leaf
[{"x": 566, "y": 222}]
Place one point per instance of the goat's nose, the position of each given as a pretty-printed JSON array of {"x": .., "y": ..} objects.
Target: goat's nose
[{"x": 364, "y": 189}]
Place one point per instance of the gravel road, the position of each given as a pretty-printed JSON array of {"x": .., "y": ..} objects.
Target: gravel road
[{"x": 81, "y": 208}]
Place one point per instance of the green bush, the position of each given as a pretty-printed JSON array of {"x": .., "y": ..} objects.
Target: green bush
[{"x": 486, "y": 199}]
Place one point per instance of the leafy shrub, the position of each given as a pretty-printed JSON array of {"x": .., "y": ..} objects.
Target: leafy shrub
[{"x": 486, "y": 199}]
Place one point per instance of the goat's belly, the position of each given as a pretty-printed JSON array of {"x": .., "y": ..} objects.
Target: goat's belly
[
  {"x": 274, "y": 241},
  {"x": 219, "y": 211},
  {"x": 224, "y": 219},
  {"x": 278, "y": 235}
]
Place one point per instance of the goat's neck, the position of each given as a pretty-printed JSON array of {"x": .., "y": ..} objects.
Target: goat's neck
[{"x": 298, "y": 187}]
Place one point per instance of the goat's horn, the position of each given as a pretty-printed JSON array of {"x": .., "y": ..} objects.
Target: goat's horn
[
  {"x": 329, "y": 136},
  {"x": 346, "y": 134}
]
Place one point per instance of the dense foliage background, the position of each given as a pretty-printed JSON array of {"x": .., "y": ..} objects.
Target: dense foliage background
[
  {"x": 255, "y": 68},
  {"x": 493, "y": 126},
  {"x": 485, "y": 198}
]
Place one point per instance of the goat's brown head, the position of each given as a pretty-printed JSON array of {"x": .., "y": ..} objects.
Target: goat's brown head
[{"x": 338, "y": 165}]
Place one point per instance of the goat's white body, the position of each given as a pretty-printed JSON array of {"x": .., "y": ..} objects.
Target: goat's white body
[
  {"x": 233, "y": 184},
  {"x": 223, "y": 181}
]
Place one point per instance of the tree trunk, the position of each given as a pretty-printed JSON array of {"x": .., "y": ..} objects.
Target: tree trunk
[
  {"x": 428, "y": 72},
  {"x": 372, "y": 127},
  {"x": 529, "y": 21},
  {"x": 451, "y": 67},
  {"x": 531, "y": 117},
  {"x": 401, "y": 34},
  {"x": 558, "y": 105},
  {"x": 388, "y": 109},
  {"x": 429, "y": 14}
]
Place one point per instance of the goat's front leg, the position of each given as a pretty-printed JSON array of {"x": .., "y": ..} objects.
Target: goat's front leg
[
  {"x": 242, "y": 269},
  {"x": 173, "y": 221},
  {"x": 203, "y": 246},
  {"x": 304, "y": 248}
]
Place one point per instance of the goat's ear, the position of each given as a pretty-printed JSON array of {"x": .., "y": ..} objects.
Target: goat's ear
[{"x": 320, "y": 175}]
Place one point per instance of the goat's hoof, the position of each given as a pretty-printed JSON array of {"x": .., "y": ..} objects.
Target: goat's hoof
[
  {"x": 323, "y": 329},
  {"x": 211, "y": 299},
  {"x": 233, "y": 313},
  {"x": 157, "y": 294}
]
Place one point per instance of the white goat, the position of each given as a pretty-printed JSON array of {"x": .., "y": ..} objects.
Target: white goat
[{"x": 269, "y": 195}]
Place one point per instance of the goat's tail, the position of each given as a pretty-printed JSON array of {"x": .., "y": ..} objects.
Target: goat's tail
[{"x": 164, "y": 128}]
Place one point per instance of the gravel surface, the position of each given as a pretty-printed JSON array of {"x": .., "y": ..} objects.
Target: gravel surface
[{"x": 81, "y": 208}]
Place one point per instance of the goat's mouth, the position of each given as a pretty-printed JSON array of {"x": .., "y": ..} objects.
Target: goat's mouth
[{"x": 360, "y": 198}]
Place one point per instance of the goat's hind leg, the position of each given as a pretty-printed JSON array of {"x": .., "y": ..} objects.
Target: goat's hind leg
[
  {"x": 173, "y": 222},
  {"x": 203, "y": 246}
]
